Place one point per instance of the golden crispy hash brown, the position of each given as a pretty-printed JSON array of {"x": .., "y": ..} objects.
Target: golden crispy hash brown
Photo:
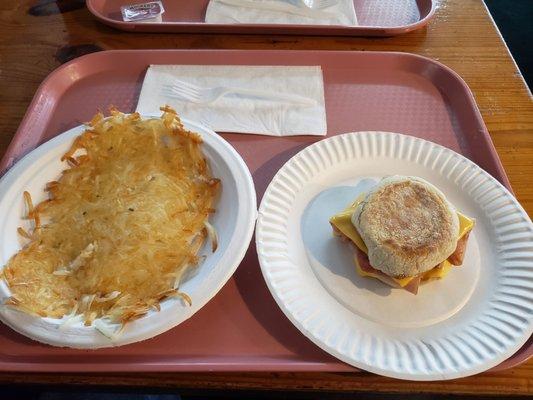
[{"x": 121, "y": 226}]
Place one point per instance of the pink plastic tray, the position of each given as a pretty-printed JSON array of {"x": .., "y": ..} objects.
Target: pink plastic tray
[
  {"x": 242, "y": 328},
  {"x": 376, "y": 18}
]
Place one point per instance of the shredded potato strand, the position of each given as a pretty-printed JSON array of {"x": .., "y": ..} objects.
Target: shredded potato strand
[{"x": 122, "y": 223}]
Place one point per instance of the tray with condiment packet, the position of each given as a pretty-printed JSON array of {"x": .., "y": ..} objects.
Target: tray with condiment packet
[
  {"x": 242, "y": 328},
  {"x": 375, "y": 18}
]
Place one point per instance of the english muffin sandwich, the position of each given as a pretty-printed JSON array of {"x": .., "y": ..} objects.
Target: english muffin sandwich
[{"x": 405, "y": 232}]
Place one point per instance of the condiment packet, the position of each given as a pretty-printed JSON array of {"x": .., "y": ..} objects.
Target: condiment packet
[{"x": 137, "y": 12}]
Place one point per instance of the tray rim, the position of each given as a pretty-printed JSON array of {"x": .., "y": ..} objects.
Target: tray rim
[
  {"x": 6, "y": 164},
  {"x": 243, "y": 365},
  {"x": 258, "y": 29}
]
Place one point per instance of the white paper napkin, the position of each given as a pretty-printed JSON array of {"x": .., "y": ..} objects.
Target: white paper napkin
[
  {"x": 285, "y": 12},
  {"x": 243, "y": 114}
]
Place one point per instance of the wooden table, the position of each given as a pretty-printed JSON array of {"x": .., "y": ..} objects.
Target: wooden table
[{"x": 37, "y": 36}]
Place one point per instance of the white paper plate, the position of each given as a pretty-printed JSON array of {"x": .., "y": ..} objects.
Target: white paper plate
[
  {"x": 472, "y": 320},
  {"x": 234, "y": 221}
]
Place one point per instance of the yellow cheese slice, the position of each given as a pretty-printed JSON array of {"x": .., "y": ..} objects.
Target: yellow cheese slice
[
  {"x": 343, "y": 222},
  {"x": 465, "y": 225},
  {"x": 438, "y": 272},
  {"x": 402, "y": 282}
]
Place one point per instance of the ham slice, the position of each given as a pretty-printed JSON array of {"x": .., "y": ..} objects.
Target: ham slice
[
  {"x": 364, "y": 264},
  {"x": 412, "y": 287},
  {"x": 458, "y": 255}
]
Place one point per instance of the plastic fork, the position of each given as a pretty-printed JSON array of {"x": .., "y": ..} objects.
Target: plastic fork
[
  {"x": 317, "y": 4},
  {"x": 206, "y": 95},
  {"x": 304, "y": 8}
]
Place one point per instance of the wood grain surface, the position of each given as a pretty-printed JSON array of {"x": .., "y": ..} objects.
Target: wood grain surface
[{"x": 37, "y": 36}]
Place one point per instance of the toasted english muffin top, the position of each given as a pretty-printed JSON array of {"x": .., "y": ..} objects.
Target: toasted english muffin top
[{"x": 408, "y": 226}]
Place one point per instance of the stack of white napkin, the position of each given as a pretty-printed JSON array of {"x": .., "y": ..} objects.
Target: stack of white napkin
[
  {"x": 340, "y": 12},
  {"x": 240, "y": 112}
]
